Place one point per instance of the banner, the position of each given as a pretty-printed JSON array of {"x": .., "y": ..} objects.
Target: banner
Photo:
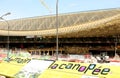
[
  {"x": 9, "y": 69},
  {"x": 33, "y": 69},
  {"x": 62, "y": 69},
  {"x": 21, "y": 69},
  {"x": 57, "y": 69}
]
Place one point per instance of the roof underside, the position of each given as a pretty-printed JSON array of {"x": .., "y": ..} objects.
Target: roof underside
[{"x": 82, "y": 24}]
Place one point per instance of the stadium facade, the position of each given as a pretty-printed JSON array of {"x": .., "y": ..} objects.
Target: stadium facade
[{"x": 92, "y": 32}]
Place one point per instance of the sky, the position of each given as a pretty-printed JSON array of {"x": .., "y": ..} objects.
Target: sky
[{"x": 32, "y": 8}]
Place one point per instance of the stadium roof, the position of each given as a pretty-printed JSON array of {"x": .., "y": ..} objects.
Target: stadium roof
[{"x": 80, "y": 24}]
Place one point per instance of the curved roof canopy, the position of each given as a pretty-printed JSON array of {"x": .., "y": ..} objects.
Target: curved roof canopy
[{"x": 80, "y": 24}]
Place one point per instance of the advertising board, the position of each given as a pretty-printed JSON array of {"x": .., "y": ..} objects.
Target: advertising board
[{"x": 62, "y": 69}]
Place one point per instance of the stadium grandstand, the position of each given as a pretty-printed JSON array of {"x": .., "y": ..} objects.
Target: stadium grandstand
[{"x": 91, "y": 32}]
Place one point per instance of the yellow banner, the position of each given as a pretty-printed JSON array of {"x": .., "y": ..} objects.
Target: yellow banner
[
  {"x": 9, "y": 69},
  {"x": 62, "y": 69}
]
